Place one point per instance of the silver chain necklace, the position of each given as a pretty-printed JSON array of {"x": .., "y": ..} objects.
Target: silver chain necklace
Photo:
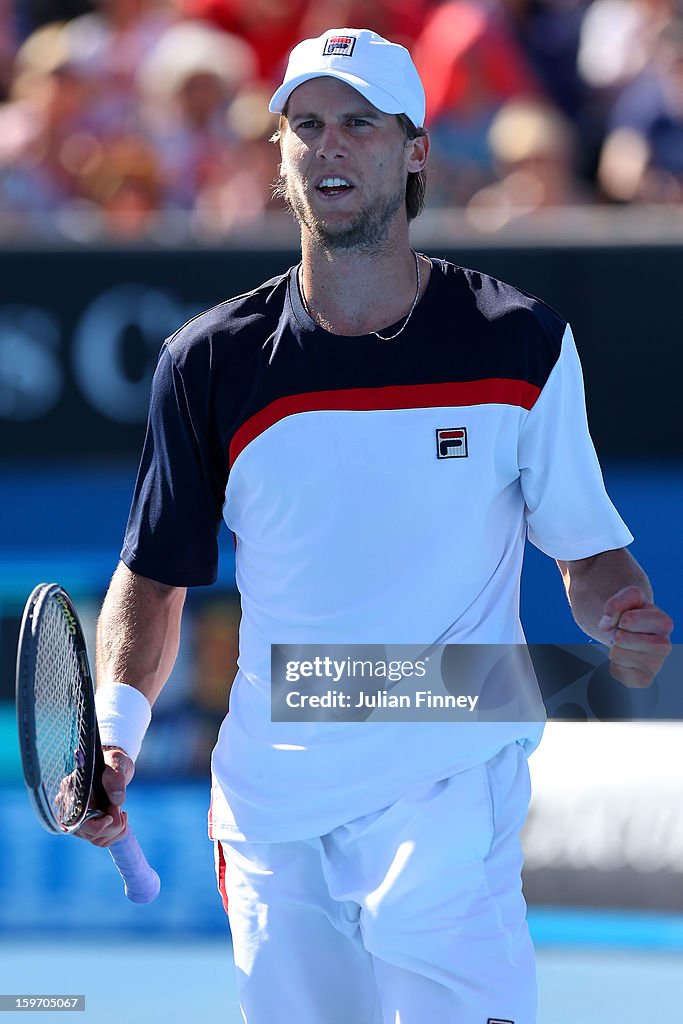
[{"x": 382, "y": 337}]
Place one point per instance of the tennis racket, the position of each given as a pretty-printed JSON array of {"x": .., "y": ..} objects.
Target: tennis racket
[{"x": 61, "y": 752}]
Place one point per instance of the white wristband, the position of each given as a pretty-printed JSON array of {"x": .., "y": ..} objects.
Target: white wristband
[{"x": 123, "y": 716}]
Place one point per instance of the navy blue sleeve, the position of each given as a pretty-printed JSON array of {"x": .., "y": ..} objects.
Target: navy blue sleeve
[{"x": 175, "y": 515}]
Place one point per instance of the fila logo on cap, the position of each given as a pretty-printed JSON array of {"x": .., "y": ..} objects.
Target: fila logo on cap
[
  {"x": 336, "y": 46},
  {"x": 451, "y": 443}
]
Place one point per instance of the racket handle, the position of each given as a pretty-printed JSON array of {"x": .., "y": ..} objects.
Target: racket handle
[{"x": 141, "y": 882}]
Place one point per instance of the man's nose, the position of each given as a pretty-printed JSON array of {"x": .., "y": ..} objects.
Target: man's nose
[{"x": 331, "y": 144}]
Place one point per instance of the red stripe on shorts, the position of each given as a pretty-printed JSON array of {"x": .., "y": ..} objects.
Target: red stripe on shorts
[{"x": 221, "y": 878}]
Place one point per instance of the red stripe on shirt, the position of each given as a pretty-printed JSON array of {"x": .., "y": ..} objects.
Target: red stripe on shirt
[{"x": 492, "y": 391}]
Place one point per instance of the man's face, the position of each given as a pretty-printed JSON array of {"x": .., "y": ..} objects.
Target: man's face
[{"x": 344, "y": 165}]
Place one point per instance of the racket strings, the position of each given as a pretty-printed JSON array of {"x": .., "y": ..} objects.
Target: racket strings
[{"x": 60, "y": 713}]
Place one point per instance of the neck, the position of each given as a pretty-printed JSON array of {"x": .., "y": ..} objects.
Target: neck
[{"x": 355, "y": 291}]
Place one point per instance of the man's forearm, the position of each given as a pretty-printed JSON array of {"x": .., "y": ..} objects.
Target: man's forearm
[
  {"x": 137, "y": 642},
  {"x": 590, "y": 582},
  {"x": 138, "y": 632}
]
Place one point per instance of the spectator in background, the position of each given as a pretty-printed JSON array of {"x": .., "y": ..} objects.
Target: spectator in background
[
  {"x": 617, "y": 38},
  {"x": 46, "y": 129},
  {"x": 270, "y": 27},
  {"x": 548, "y": 32},
  {"x": 30, "y": 15},
  {"x": 111, "y": 43},
  {"x": 187, "y": 83},
  {"x": 122, "y": 189},
  {"x": 534, "y": 148},
  {"x": 8, "y": 45},
  {"x": 642, "y": 157},
  {"x": 616, "y": 42},
  {"x": 470, "y": 65},
  {"x": 231, "y": 202},
  {"x": 400, "y": 20}
]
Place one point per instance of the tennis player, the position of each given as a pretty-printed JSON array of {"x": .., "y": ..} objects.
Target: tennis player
[{"x": 380, "y": 430}]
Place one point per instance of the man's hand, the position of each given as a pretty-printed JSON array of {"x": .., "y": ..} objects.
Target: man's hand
[
  {"x": 117, "y": 775},
  {"x": 639, "y": 632}
]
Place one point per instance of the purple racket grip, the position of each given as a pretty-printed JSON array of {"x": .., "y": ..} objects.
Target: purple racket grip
[{"x": 141, "y": 882}]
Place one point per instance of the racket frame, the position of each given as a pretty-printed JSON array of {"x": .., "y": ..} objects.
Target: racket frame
[
  {"x": 26, "y": 717},
  {"x": 141, "y": 882}
]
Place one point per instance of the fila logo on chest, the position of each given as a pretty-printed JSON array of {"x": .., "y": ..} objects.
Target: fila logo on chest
[{"x": 451, "y": 443}]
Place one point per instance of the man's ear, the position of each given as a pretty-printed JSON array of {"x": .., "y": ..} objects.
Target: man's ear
[{"x": 418, "y": 153}]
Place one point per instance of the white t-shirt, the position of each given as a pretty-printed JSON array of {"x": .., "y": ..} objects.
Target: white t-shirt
[{"x": 338, "y": 463}]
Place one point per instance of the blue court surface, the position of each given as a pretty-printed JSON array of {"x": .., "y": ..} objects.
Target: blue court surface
[{"x": 176, "y": 982}]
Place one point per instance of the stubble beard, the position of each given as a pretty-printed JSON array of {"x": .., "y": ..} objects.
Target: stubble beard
[{"x": 368, "y": 229}]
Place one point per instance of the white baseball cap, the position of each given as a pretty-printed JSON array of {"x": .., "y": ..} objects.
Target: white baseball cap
[{"x": 381, "y": 71}]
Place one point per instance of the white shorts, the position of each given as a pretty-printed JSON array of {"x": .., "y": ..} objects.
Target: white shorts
[{"x": 409, "y": 915}]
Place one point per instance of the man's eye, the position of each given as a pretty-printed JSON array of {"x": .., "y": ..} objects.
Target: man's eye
[
  {"x": 308, "y": 124},
  {"x": 359, "y": 122}
]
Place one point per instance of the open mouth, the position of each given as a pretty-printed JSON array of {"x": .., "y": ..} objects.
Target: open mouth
[{"x": 334, "y": 186}]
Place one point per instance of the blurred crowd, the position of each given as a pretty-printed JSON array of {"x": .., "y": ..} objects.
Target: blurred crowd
[{"x": 116, "y": 115}]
